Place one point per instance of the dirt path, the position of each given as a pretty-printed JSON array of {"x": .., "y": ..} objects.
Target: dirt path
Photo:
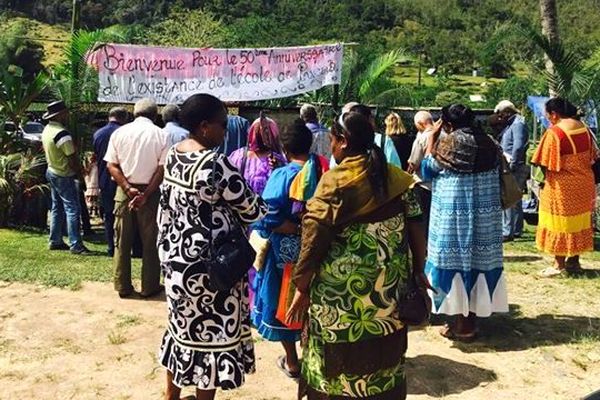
[{"x": 89, "y": 344}]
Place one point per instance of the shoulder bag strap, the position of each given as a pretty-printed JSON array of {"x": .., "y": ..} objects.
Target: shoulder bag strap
[{"x": 214, "y": 187}]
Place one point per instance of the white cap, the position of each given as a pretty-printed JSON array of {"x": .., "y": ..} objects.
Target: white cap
[{"x": 505, "y": 105}]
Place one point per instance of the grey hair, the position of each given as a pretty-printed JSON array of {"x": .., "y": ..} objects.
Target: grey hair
[
  {"x": 308, "y": 111},
  {"x": 349, "y": 106},
  {"x": 170, "y": 113},
  {"x": 145, "y": 108},
  {"x": 422, "y": 117},
  {"x": 118, "y": 113}
]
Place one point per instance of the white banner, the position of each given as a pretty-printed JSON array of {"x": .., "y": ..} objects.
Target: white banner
[{"x": 169, "y": 75}]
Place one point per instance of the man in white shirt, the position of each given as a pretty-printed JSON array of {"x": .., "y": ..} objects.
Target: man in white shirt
[
  {"x": 135, "y": 158},
  {"x": 424, "y": 124}
]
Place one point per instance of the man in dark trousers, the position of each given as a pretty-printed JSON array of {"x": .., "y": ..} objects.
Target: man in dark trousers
[
  {"x": 514, "y": 141},
  {"x": 117, "y": 116}
]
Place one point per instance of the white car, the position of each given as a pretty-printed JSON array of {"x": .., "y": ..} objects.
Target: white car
[{"x": 30, "y": 131}]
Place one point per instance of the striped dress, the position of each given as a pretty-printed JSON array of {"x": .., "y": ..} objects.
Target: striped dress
[
  {"x": 567, "y": 199},
  {"x": 464, "y": 254}
]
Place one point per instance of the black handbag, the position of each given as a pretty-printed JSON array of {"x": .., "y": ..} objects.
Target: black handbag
[
  {"x": 414, "y": 305},
  {"x": 231, "y": 255}
]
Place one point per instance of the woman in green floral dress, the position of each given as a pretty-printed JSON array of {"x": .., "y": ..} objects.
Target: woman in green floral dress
[{"x": 352, "y": 270}]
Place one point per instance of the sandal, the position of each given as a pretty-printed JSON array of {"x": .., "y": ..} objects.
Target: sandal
[
  {"x": 449, "y": 333},
  {"x": 552, "y": 272},
  {"x": 191, "y": 397},
  {"x": 281, "y": 364}
]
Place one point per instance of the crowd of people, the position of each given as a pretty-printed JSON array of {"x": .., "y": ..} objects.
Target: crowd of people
[{"x": 342, "y": 219}]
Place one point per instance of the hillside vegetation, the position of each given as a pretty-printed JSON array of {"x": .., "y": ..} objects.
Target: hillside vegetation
[
  {"x": 455, "y": 33},
  {"x": 51, "y": 36},
  {"x": 456, "y": 37}
]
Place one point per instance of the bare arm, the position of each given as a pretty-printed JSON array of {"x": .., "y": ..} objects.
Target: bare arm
[
  {"x": 117, "y": 174},
  {"x": 75, "y": 165},
  {"x": 140, "y": 199},
  {"x": 416, "y": 241},
  {"x": 433, "y": 137}
]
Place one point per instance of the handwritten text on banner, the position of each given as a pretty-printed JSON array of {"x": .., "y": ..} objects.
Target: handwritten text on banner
[{"x": 170, "y": 75}]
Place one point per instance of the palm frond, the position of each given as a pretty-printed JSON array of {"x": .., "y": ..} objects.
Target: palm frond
[
  {"x": 377, "y": 69},
  {"x": 571, "y": 77},
  {"x": 16, "y": 95},
  {"x": 74, "y": 80}
]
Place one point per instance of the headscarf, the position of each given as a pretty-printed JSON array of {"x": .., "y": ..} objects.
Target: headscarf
[
  {"x": 467, "y": 150},
  {"x": 264, "y": 135}
]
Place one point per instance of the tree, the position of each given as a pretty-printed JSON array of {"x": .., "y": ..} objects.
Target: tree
[
  {"x": 76, "y": 82},
  {"x": 24, "y": 53},
  {"x": 364, "y": 79},
  {"x": 549, "y": 17},
  {"x": 16, "y": 95},
  {"x": 571, "y": 76},
  {"x": 189, "y": 28}
]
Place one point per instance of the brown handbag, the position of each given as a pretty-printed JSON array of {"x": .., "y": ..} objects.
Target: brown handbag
[{"x": 510, "y": 192}]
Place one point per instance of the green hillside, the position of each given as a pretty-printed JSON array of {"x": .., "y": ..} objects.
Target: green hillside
[{"x": 51, "y": 36}]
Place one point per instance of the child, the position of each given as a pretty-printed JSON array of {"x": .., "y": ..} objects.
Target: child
[{"x": 91, "y": 182}]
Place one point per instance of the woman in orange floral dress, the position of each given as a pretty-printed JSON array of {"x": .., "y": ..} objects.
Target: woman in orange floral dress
[{"x": 566, "y": 152}]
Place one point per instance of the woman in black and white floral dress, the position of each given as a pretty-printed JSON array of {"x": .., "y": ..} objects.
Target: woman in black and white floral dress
[{"x": 208, "y": 342}]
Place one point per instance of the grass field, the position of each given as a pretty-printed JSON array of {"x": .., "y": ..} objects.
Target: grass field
[{"x": 24, "y": 257}]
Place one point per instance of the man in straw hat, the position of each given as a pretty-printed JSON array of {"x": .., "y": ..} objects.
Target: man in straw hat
[{"x": 63, "y": 171}]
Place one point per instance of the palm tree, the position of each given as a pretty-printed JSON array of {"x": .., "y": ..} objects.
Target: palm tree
[
  {"x": 16, "y": 95},
  {"x": 549, "y": 17},
  {"x": 571, "y": 76},
  {"x": 20, "y": 175},
  {"x": 76, "y": 82},
  {"x": 366, "y": 80}
]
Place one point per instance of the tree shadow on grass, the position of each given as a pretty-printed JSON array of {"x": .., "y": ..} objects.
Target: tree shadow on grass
[
  {"x": 513, "y": 332},
  {"x": 438, "y": 377},
  {"x": 521, "y": 259},
  {"x": 586, "y": 273}
]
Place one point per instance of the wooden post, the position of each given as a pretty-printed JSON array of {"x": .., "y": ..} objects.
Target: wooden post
[{"x": 335, "y": 99}]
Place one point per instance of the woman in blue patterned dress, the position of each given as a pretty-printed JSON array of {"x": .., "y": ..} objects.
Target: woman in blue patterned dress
[
  {"x": 282, "y": 227},
  {"x": 464, "y": 260}
]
